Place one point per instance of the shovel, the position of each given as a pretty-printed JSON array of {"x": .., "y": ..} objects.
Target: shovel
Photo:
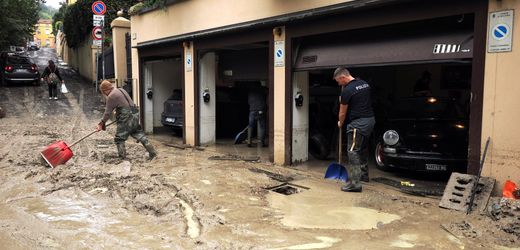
[
  {"x": 336, "y": 170},
  {"x": 59, "y": 152}
]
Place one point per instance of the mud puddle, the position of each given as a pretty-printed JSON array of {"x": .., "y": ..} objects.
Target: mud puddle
[{"x": 315, "y": 209}]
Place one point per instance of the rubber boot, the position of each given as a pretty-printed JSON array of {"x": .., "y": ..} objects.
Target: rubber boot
[
  {"x": 249, "y": 135},
  {"x": 121, "y": 150},
  {"x": 151, "y": 150},
  {"x": 364, "y": 173},
  {"x": 353, "y": 185}
]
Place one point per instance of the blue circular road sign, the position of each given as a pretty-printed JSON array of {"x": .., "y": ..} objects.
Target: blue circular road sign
[
  {"x": 99, "y": 8},
  {"x": 500, "y": 31},
  {"x": 279, "y": 53}
]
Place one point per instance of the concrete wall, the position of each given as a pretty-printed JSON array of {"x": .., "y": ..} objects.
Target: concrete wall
[
  {"x": 189, "y": 97},
  {"x": 83, "y": 59},
  {"x": 300, "y": 130},
  {"x": 195, "y": 15},
  {"x": 120, "y": 26},
  {"x": 279, "y": 107},
  {"x": 500, "y": 116},
  {"x": 207, "y": 76}
]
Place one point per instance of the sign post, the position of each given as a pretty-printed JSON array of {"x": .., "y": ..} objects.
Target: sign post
[
  {"x": 98, "y": 34},
  {"x": 500, "y": 31}
]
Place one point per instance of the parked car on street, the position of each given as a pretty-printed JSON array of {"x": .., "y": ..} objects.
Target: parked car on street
[
  {"x": 423, "y": 134},
  {"x": 173, "y": 113},
  {"x": 32, "y": 47},
  {"x": 19, "y": 69}
]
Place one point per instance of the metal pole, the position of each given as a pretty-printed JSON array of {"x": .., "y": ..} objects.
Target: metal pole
[{"x": 102, "y": 46}]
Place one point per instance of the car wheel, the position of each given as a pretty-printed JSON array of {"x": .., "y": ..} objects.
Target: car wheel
[
  {"x": 379, "y": 157},
  {"x": 319, "y": 146}
]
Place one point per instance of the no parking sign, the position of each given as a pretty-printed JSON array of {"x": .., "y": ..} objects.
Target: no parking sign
[{"x": 500, "y": 31}]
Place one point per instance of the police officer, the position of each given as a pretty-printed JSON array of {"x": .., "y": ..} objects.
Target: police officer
[
  {"x": 127, "y": 116},
  {"x": 356, "y": 109}
]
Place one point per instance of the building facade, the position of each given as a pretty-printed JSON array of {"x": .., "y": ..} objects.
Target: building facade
[
  {"x": 292, "y": 47},
  {"x": 43, "y": 35}
]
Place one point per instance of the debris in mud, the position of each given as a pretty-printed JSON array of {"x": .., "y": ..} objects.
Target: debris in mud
[
  {"x": 418, "y": 190},
  {"x": 230, "y": 157},
  {"x": 176, "y": 146},
  {"x": 461, "y": 229},
  {"x": 506, "y": 212},
  {"x": 274, "y": 176}
]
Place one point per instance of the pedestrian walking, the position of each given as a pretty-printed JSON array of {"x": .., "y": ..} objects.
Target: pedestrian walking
[
  {"x": 51, "y": 75},
  {"x": 356, "y": 109},
  {"x": 127, "y": 117}
]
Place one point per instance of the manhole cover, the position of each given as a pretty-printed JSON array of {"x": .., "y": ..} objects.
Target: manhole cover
[{"x": 288, "y": 189}]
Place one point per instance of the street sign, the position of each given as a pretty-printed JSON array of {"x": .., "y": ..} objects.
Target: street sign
[
  {"x": 99, "y": 8},
  {"x": 500, "y": 31},
  {"x": 98, "y": 20},
  {"x": 98, "y": 17},
  {"x": 189, "y": 62},
  {"x": 279, "y": 57},
  {"x": 97, "y": 33},
  {"x": 96, "y": 43}
]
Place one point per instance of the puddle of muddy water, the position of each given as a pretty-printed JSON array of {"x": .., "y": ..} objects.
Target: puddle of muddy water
[{"x": 319, "y": 208}]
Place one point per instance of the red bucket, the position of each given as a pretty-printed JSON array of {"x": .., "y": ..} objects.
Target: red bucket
[{"x": 57, "y": 153}]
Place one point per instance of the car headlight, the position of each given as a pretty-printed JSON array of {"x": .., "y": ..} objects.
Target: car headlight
[{"x": 391, "y": 137}]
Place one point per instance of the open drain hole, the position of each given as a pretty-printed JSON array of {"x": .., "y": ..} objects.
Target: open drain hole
[{"x": 287, "y": 188}]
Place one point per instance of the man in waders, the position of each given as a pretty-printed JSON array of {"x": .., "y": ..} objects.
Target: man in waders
[
  {"x": 127, "y": 116},
  {"x": 355, "y": 97}
]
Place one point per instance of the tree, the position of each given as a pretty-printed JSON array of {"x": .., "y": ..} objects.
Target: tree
[
  {"x": 77, "y": 19},
  {"x": 18, "y": 19}
]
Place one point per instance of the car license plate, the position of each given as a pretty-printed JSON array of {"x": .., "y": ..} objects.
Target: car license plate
[
  {"x": 436, "y": 167},
  {"x": 170, "y": 119}
]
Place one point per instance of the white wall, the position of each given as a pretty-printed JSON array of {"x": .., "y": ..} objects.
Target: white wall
[
  {"x": 148, "y": 104},
  {"x": 300, "y": 130},
  {"x": 207, "y": 109}
]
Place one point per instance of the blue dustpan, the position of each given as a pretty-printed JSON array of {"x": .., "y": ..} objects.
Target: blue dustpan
[{"x": 336, "y": 170}]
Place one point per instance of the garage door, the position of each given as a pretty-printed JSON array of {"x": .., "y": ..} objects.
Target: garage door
[{"x": 385, "y": 46}]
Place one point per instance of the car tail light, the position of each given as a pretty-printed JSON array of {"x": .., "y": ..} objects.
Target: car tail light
[
  {"x": 9, "y": 68},
  {"x": 34, "y": 68}
]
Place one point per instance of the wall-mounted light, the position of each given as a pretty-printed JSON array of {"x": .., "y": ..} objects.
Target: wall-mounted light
[
  {"x": 298, "y": 99},
  {"x": 206, "y": 96}
]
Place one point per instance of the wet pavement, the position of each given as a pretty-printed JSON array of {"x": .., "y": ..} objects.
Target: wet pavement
[{"x": 184, "y": 200}]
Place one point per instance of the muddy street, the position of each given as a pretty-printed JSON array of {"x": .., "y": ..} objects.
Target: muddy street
[{"x": 185, "y": 200}]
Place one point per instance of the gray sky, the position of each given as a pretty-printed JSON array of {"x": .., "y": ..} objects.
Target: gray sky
[{"x": 54, "y": 3}]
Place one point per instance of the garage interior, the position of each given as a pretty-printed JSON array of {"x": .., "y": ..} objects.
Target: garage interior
[
  {"x": 237, "y": 69},
  {"x": 163, "y": 82},
  {"x": 391, "y": 59}
]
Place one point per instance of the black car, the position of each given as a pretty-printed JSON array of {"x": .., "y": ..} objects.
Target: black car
[
  {"x": 423, "y": 134},
  {"x": 19, "y": 69},
  {"x": 173, "y": 114}
]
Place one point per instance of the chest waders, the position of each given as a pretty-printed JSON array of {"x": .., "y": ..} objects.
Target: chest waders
[{"x": 128, "y": 125}]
